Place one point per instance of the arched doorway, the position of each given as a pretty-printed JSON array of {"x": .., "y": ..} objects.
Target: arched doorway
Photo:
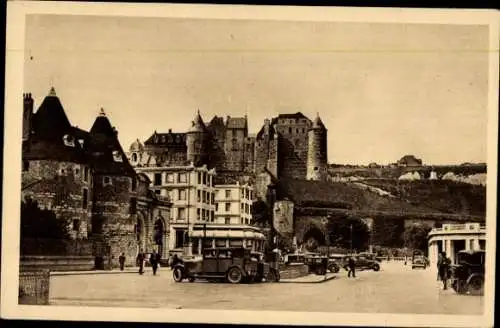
[
  {"x": 160, "y": 235},
  {"x": 313, "y": 238}
]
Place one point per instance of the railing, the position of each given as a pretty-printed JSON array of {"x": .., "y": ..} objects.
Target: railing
[
  {"x": 34, "y": 287},
  {"x": 452, "y": 228}
]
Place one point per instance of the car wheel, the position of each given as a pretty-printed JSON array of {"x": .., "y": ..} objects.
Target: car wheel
[
  {"x": 333, "y": 268},
  {"x": 376, "y": 267},
  {"x": 235, "y": 276},
  {"x": 178, "y": 275},
  {"x": 475, "y": 286}
]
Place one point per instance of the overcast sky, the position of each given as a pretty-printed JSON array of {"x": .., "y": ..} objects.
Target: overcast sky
[{"x": 382, "y": 90}]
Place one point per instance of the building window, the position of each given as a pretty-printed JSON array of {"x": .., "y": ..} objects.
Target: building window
[
  {"x": 182, "y": 177},
  {"x": 198, "y": 215},
  {"x": 212, "y": 216},
  {"x": 216, "y": 206},
  {"x": 157, "y": 179},
  {"x": 199, "y": 178},
  {"x": 86, "y": 174},
  {"x": 106, "y": 181},
  {"x": 133, "y": 205},
  {"x": 289, "y": 130},
  {"x": 76, "y": 225},
  {"x": 242, "y": 207},
  {"x": 213, "y": 198},
  {"x": 179, "y": 238},
  {"x": 182, "y": 194},
  {"x": 170, "y": 178},
  {"x": 199, "y": 196},
  {"x": 134, "y": 157},
  {"x": 158, "y": 192},
  {"x": 134, "y": 184},
  {"x": 181, "y": 213},
  {"x": 117, "y": 156},
  {"x": 26, "y": 165},
  {"x": 85, "y": 198},
  {"x": 204, "y": 178},
  {"x": 228, "y": 194},
  {"x": 227, "y": 220},
  {"x": 228, "y": 207}
]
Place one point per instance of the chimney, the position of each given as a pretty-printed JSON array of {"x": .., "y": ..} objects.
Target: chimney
[
  {"x": 169, "y": 130},
  {"x": 27, "y": 115}
]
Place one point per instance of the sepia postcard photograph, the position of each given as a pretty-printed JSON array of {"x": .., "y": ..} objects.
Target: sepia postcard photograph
[{"x": 244, "y": 164}]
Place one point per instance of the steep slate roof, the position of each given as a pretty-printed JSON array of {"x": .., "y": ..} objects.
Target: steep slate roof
[
  {"x": 167, "y": 139},
  {"x": 319, "y": 194},
  {"x": 197, "y": 125},
  {"x": 317, "y": 123},
  {"x": 50, "y": 126},
  {"x": 104, "y": 141},
  {"x": 295, "y": 115},
  {"x": 236, "y": 123}
]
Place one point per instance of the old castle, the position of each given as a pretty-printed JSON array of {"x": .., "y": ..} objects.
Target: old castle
[
  {"x": 85, "y": 178},
  {"x": 290, "y": 145}
]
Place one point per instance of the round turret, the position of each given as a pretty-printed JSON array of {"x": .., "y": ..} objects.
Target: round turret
[
  {"x": 317, "y": 150},
  {"x": 195, "y": 140}
]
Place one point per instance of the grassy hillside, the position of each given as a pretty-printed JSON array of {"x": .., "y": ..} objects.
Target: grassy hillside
[{"x": 442, "y": 195}]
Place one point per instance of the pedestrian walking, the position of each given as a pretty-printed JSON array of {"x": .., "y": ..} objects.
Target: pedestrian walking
[
  {"x": 444, "y": 268},
  {"x": 154, "y": 262},
  {"x": 351, "y": 264},
  {"x": 140, "y": 262},
  {"x": 121, "y": 260}
]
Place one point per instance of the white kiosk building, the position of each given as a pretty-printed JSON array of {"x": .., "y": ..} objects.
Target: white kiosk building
[{"x": 452, "y": 238}]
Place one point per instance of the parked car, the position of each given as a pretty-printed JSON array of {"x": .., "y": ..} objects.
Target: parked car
[
  {"x": 362, "y": 263},
  {"x": 371, "y": 256},
  {"x": 467, "y": 276},
  {"x": 419, "y": 262},
  {"x": 317, "y": 263},
  {"x": 235, "y": 265}
]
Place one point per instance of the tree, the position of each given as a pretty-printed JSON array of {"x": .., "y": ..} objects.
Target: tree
[
  {"x": 41, "y": 224},
  {"x": 339, "y": 232},
  {"x": 388, "y": 232},
  {"x": 415, "y": 237}
]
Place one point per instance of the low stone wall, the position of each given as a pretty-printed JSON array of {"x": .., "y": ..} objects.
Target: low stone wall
[
  {"x": 292, "y": 271},
  {"x": 34, "y": 287},
  {"x": 57, "y": 263}
]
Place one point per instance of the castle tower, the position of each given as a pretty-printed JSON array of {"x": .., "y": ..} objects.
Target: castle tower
[
  {"x": 317, "y": 150},
  {"x": 27, "y": 115},
  {"x": 195, "y": 140}
]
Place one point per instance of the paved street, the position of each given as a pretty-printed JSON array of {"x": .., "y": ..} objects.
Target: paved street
[{"x": 394, "y": 289}]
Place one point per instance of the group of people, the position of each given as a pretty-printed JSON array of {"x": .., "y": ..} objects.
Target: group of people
[{"x": 154, "y": 260}]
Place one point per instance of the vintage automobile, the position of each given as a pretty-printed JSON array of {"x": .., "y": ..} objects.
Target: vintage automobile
[
  {"x": 419, "y": 261},
  {"x": 362, "y": 263},
  {"x": 317, "y": 263},
  {"x": 371, "y": 256},
  {"x": 234, "y": 265},
  {"x": 467, "y": 276}
]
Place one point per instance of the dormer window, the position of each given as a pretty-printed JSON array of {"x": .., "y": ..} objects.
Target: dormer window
[
  {"x": 117, "y": 157},
  {"x": 69, "y": 140},
  {"x": 106, "y": 181},
  {"x": 134, "y": 157},
  {"x": 81, "y": 142}
]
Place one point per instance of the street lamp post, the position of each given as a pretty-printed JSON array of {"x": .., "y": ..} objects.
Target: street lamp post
[{"x": 351, "y": 236}]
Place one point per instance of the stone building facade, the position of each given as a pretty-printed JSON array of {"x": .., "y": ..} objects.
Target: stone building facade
[
  {"x": 289, "y": 145},
  {"x": 86, "y": 179}
]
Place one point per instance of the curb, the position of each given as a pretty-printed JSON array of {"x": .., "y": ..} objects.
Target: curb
[
  {"x": 308, "y": 282},
  {"x": 76, "y": 273}
]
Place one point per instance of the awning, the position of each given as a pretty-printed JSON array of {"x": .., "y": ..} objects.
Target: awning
[{"x": 228, "y": 234}]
